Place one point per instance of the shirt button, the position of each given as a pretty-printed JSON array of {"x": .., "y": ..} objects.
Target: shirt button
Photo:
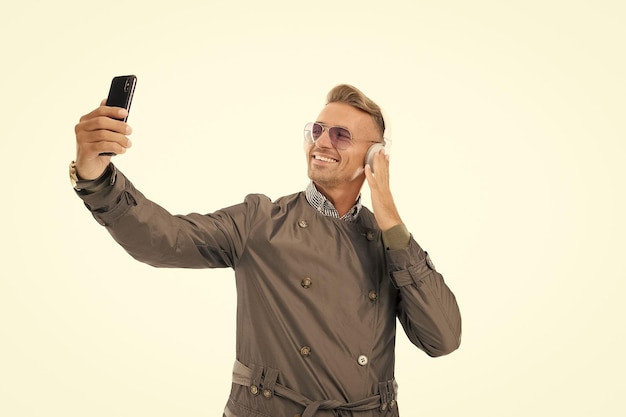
[
  {"x": 362, "y": 360},
  {"x": 306, "y": 282},
  {"x": 305, "y": 351},
  {"x": 373, "y": 295},
  {"x": 303, "y": 223}
]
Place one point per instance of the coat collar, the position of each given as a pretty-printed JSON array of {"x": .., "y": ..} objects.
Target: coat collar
[{"x": 320, "y": 203}]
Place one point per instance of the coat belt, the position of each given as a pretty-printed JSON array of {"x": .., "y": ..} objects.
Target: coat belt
[{"x": 252, "y": 378}]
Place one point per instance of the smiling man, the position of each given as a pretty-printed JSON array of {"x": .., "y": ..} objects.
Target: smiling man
[{"x": 320, "y": 278}]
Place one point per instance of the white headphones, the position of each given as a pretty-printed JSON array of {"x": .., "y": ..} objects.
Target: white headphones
[
  {"x": 375, "y": 148},
  {"x": 385, "y": 144}
]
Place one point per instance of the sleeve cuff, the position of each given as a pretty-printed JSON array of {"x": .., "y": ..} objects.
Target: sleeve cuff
[
  {"x": 106, "y": 179},
  {"x": 397, "y": 237}
]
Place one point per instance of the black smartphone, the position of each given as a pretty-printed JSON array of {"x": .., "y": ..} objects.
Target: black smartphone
[
  {"x": 121, "y": 95},
  {"x": 121, "y": 92}
]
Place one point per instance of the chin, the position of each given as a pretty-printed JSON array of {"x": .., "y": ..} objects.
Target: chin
[{"x": 320, "y": 178}]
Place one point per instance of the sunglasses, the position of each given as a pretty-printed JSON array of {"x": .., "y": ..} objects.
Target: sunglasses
[{"x": 340, "y": 137}]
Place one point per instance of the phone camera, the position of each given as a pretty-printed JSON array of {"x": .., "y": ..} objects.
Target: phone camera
[{"x": 127, "y": 85}]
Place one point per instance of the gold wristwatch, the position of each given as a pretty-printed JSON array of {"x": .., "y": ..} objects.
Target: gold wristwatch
[{"x": 73, "y": 174}]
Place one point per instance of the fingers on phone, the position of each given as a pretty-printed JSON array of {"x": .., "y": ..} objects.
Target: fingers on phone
[
  {"x": 105, "y": 124},
  {"x": 110, "y": 148},
  {"x": 117, "y": 113},
  {"x": 100, "y": 136}
]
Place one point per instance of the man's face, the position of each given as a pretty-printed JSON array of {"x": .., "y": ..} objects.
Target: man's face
[{"x": 329, "y": 167}]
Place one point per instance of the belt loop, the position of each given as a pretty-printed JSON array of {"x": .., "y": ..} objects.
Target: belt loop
[
  {"x": 269, "y": 381},
  {"x": 255, "y": 380},
  {"x": 383, "y": 390},
  {"x": 393, "y": 389}
]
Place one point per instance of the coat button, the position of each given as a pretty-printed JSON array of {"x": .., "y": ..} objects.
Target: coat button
[
  {"x": 305, "y": 351},
  {"x": 303, "y": 223},
  {"x": 267, "y": 393},
  {"x": 369, "y": 236},
  {"x": 306, "y": 282},
  {"x": 373, "y": 295},
  {"x": 362, "y": 360},
  {"x": 254, "y": 390},
  {"x": 430, "y": 263}
]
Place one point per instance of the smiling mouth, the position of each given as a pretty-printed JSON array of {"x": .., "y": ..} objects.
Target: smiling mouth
[{"x": 324, "y": 159}]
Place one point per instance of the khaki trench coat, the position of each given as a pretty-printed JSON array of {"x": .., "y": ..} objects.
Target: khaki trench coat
[{"x": 317, "y": 297}]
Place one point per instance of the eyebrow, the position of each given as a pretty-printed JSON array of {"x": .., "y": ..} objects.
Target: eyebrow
[{"x": 328, "y": 125}]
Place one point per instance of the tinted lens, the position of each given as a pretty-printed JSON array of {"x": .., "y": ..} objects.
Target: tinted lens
[
  {"x": 340, "y": 137},
  {"x": 317, "y": 131}
]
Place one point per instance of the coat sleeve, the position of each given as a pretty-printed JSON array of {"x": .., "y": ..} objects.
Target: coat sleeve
[
  {"x": 152, "y": 235},
  {"x": 427, "y": 308}
]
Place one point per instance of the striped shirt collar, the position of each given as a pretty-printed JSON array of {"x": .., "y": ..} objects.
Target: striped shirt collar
[{"x": 320, "y": 203}]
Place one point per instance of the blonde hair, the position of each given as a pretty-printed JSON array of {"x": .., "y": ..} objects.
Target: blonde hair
[{"x": 345, "y": 93}]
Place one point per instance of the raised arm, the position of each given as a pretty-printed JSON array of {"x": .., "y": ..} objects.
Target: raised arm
[
  {"x": 427, "y": 308},
  {"x": 146, "y": 230}
]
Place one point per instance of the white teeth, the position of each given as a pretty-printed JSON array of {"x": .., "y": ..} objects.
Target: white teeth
[{"x": 323, "y": 158}]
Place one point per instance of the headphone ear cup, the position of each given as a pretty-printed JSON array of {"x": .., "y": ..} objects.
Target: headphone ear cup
[
  {"x": 387, "y": 143},
  {"x": 373, "y": 150}
]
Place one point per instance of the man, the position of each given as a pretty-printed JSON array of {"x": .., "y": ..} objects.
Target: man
[{"x": 320, "y": 278}]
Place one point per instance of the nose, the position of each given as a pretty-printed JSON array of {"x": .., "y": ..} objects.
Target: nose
[{"x": 324, "y": 140}]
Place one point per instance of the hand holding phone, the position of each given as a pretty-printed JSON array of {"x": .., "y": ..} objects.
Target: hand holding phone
[
  {"x": 103, "y": 132},
  {"x": 121, "y": 95}
]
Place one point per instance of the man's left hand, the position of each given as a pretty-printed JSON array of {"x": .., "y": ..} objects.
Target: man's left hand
[{"x": 385, "y": 210}]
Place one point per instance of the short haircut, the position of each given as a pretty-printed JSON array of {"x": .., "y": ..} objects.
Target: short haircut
[{"x": 345, "y": 93}]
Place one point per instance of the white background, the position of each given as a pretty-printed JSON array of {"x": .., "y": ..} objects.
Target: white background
[{"x": 507, "y": 166}]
